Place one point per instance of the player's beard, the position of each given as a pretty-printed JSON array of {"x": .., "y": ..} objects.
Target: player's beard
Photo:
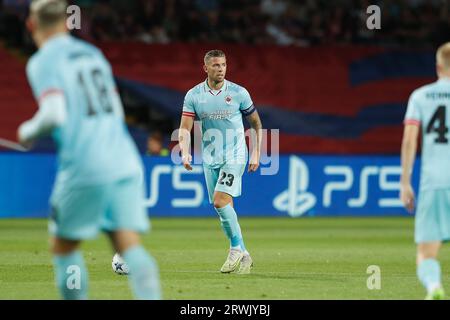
[{"x": 219, "y": 79}]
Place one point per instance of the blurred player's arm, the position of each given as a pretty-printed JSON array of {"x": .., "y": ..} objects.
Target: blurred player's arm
[
  {"x": 256, "y": 135},
  {"x": 184, "y": 138},
  {"x": 51, "y": 114},
  {"x": 408, "y": 155}
]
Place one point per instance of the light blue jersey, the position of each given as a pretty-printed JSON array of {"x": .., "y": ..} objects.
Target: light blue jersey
[
  {"x": 429, "y": 107},
  {"x": 94, "y": 146},
  {"x": 220, "y": 113}
]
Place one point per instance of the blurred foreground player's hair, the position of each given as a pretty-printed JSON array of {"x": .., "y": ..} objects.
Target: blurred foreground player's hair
[{"x": 98, "y": 184}]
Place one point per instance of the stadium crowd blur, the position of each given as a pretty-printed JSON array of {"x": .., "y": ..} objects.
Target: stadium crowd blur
[
  {"x": 302, "y": 23},
  {"x": 281, "y": 22}
]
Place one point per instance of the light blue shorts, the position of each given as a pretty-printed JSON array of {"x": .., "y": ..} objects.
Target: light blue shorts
[
  {"x": 80, "y": 213},
  {"x": 227, "y": 179},
  {"x": 433, "y": 216}
]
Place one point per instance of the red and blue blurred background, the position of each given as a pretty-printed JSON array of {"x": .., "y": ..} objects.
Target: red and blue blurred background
[{"x": 315, "y": 72}]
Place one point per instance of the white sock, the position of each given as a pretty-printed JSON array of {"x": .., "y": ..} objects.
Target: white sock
[{"x": 433, "y": 286}]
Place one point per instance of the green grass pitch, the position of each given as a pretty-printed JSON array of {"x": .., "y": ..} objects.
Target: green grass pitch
[{"x": 305, "y": 258}]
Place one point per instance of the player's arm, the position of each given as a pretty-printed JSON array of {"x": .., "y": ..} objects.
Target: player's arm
[
  {"x": 51, "y": 114},
  {"x": 256, "y": 135},
  {"x": 408, "y": 154},
  {"x": 184, "y": 138}
]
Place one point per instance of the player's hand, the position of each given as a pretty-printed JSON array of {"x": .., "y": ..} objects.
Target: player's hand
[
  {"x": 187, "y": 159},
  {"x": 254, "y": 163},
  {"x": 407, "y": 197}
]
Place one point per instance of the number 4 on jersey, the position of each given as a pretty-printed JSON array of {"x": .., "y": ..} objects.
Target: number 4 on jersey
[{"x": 441, "y": 128}]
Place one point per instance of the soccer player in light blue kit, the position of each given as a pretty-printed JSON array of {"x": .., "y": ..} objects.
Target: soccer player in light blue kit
[
  {"x": 429, "y": 110},
  {"x": 99, "y": 179},
  {"x": 220, "y": 106}
]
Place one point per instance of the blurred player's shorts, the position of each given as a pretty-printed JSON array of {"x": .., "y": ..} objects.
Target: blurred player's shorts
[
  {"x": 80, "y": 213},
  {"x": 433, "y": 216}
]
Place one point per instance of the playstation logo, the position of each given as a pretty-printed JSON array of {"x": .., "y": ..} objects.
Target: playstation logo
[{"x": 296, "y": 200}]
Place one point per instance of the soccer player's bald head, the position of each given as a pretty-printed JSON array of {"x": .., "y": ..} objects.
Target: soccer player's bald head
[
  {"x": 443, "y": 58},
  {"x": 48, "y": 13}
]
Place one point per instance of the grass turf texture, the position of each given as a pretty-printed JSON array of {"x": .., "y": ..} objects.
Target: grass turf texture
[{"x": 307, "y": 258}]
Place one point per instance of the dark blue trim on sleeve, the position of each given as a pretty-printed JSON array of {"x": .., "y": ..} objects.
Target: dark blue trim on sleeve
[{"x": 249, "y": 110}]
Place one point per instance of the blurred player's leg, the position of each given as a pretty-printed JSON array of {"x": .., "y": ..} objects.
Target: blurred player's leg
[
  {"x": 76, "y": 213},
  {"x": 429, "y": 269},
  {"x": 432, "y": 226},
  {"x": 71, "y": 274},
  {"x": 144, "y": 273},
  {"x": 126, "y": 217}
]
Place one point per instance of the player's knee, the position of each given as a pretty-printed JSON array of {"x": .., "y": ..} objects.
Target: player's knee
[
  {"x": 122, "y": 240},
  {"x": 427, "y": 252},
  {"x": 220, "y": 202},
  {"x": 62, "y": 246},
  {"x": 424, "y": 255}
]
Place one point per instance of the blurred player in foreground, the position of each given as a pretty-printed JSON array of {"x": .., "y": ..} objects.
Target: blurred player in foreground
[
  {"x": 429, "y": 110},
  {"x": 220, "y": 105},
  {"x": 98, "y": 184}
]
